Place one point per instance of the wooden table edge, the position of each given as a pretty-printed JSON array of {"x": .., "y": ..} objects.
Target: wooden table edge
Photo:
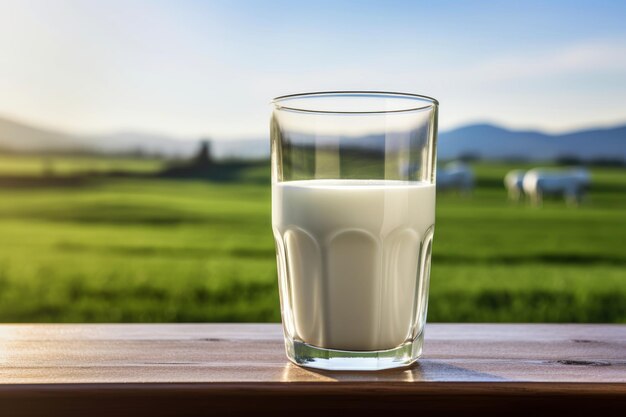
[
  {"x": 313, "y": 399},
  {"x": 383, "y": 387}
]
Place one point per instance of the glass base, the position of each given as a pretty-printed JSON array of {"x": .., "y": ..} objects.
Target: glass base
[{"x": 309, "y": 356}]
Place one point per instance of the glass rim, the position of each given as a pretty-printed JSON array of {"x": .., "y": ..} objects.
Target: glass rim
[{"x": 428, "y": 102}]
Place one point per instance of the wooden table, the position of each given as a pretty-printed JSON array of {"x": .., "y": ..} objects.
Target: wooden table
[{"x": 237, "y": 369}]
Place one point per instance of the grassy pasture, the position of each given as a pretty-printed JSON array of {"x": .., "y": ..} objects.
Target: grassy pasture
[{"x": 148, "y": 250}]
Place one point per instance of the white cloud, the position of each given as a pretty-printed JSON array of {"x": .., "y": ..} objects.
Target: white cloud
[{"x": 582, "y": 58}]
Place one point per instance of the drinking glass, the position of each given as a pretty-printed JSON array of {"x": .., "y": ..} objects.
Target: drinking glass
[{"x": 353, "y": 211}]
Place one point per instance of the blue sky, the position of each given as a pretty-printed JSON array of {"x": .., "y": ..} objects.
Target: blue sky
[{"x": 190, "y": 68}]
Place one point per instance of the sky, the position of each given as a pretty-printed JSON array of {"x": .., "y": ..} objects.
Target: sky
[{"x": 210, "y": 68}]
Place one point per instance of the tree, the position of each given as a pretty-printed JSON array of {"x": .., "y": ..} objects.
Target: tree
[{"x": 203, "y": 157}]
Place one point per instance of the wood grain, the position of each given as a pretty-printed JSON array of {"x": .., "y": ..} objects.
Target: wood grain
[{"x": 212, "y": 369}]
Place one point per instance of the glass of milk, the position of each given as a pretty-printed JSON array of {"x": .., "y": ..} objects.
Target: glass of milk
[{"x": 353, "y": 213}]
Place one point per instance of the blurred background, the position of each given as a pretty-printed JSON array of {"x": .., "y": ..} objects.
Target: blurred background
[{"x": 134, "y": 151}]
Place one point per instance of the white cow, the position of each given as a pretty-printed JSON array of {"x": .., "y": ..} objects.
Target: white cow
[
  {"x": 571, "y": 184},
  {"x": 513, "y": 181},
  {"x": 457, "y": 176}
]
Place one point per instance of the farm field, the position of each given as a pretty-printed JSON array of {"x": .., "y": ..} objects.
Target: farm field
[
  {"x": 157, "y": 250},
  {"x": 34, "y": 165}
]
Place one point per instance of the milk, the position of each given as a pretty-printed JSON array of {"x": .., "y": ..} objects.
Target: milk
[{"x": 349, "y": 260}]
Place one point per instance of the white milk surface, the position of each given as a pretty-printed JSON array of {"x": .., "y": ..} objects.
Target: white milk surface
[{"x": 349, "y": 257}]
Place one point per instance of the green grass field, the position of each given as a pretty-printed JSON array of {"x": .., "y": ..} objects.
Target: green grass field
[
  {"x": 120, "y": 250},
  {"x": 33, "y": 165}
]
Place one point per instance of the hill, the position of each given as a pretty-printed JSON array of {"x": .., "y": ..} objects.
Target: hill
[
  {"x": 492, "y": 142},
  {"x": 484, "y": 141},
  {"x": 21, "y": 137},
  {"x": 24, "y": 138}
]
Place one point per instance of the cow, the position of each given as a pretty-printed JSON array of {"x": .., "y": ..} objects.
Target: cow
[
  {"x": 572, "y": 184},
  {"x": 513, "y": 181},
  {"x": 457, "y": 176}
]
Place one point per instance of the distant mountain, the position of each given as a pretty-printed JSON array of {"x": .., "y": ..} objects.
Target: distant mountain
[
  {"x": 492, "y": 142},
  {"x": 484, "y": 141},
  {"x": 20, "y": 137}
]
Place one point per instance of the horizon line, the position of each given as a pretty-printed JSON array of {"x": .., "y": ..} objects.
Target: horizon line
[{"x": 168, "y": 135}]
